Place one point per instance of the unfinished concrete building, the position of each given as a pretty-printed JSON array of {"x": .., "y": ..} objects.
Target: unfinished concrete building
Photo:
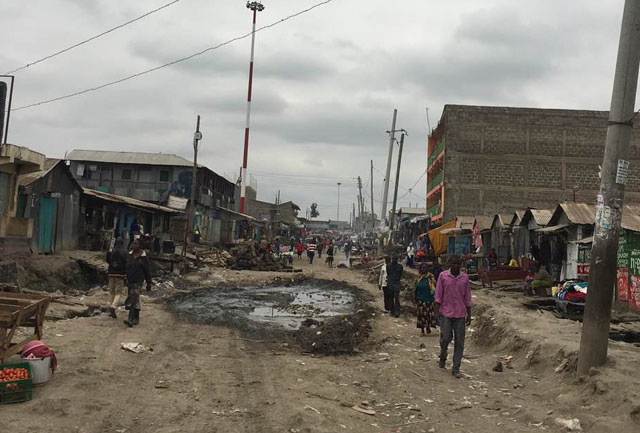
[{"x": 488, "y": 160}]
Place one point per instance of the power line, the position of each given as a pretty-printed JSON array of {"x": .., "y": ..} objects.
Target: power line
[
  {"x": 183, "y": 59},
  {"x": 57, "y": 53}
]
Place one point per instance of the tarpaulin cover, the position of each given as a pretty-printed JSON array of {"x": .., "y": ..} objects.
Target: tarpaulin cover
[{"x": 439, "y": 240}]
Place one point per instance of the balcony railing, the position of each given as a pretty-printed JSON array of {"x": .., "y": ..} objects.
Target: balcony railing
[
  {"x": 434, "y": 182},
  {"x": 436, "y": 152},
  {"x": 434, "y": 210}
]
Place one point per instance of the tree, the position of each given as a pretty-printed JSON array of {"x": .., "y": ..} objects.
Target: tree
[{"x": 314, "y": 210}]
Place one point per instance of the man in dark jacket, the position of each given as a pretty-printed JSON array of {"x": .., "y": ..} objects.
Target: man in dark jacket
[
  {"x": 138, "y": 271},
  {"x": 394, "y": 285},
  {"x": 117, "y": 260}
]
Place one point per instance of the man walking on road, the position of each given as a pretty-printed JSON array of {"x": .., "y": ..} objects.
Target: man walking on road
[
  {"x": 453, "y": 306},
  {"x": 394, "y": 285},
  {"x": 311, "y": 251}
]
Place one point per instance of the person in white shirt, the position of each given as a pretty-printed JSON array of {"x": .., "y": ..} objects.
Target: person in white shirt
[{"x": 382, "y": 285}]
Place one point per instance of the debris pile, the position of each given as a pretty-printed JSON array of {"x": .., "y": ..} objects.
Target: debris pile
[
  {"x": 257, "y": 257},
  {"x": 216, "y": 257}
]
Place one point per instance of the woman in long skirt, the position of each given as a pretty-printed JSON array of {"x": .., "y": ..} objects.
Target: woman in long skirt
[{"x": 424, "y": 297}]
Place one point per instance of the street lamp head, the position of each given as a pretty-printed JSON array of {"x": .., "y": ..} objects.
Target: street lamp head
[{"x": 255, "y": 6}]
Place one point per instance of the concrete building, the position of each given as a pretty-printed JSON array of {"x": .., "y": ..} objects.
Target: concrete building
[
  {"x": 488, "y": 160},
  {"x": 162, "y": 179},
  {"x": 15, "y": 161}
]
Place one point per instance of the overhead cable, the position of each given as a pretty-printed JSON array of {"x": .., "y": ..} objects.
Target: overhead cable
[
  {"x": 174, "y": 62},
  {"x": 93, "y": 38}
]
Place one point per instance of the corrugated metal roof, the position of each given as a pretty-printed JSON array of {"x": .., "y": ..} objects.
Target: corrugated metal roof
[
  {"x": 49, "y": 164},
  {"x": 585, "y": 214},
  {"x": 542, "y": 216},
  {"x": 483, "y": 222},
  {"x": 165, "y": 159},
  {"x": 631, "y": 218},
  {"x": 128, "y": 201},
  {"x": 465, "y": 222},
  {"x": 579, "y": 213},
  {"x": 516, "y": 217},
  {"x": 552, "y": 229}
]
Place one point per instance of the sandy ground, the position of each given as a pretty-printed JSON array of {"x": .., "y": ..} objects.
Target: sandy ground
[{"x": 202, "y": 378}]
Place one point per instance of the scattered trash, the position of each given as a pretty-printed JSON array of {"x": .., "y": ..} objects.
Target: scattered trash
[
  {"x": 563, "y": 366},
  {"x": 363, "y": 410},
  {"x": 135, "y": 347},
  {"x": 307, "y": 407},
  {"x": 569, "y": 424}
]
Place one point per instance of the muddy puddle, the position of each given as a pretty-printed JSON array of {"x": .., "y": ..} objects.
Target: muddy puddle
[{"x": 321, "y": 316}]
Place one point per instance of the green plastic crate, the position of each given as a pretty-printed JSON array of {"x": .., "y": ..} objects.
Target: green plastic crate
[{"x": 24, "y": 389}]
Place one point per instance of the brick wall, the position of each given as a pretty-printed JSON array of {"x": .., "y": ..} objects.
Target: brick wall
[{"x": 500, "y": 159}]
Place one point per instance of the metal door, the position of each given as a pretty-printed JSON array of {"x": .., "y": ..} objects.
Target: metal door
[{"x": 46, "y": 225}]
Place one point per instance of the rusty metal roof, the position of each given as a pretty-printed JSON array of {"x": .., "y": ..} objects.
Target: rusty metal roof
[
  {"x": 541, "y": 216},
  {"x": 129, "y": 201},
  {"x": 483, "y": 222},
  {"x": 164, "y": 159},
  {"x": 579, "y": 213},
  {"x": 585, "y": 214},
  {"x": 465, "y": 222},
  {"x": 503, "y": 218},
  {"x": 517, "y": 217}
]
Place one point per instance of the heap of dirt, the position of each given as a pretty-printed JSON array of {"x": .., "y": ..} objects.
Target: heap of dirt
[
  {"x": 318, "y": 316},
  {"x": 57, "y": 273},
  {"x": 253, "y": 256}
]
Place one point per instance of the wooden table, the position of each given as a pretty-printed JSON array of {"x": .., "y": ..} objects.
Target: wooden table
[{"x": 20, "y": 310}]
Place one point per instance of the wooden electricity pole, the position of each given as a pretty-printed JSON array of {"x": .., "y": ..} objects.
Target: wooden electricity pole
[
  {"x": 594, "y": 341},
  {"x": 373, "y": 219}
]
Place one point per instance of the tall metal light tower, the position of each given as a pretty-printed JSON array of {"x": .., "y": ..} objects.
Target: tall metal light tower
[{"x": 255, "y": 7}]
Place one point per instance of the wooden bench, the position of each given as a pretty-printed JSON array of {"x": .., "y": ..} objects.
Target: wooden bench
[{"x": 501, "y": 274}]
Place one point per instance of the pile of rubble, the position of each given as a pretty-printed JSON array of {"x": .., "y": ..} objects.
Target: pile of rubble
[
  {"x": 253, "y": 256},
  {"x": 216, "y": 257}
]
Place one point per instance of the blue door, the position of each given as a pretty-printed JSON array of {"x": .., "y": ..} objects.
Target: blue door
[{"x": 46, "y": 226}]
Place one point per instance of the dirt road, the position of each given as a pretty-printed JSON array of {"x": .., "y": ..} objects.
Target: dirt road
[{"x": 204, "y": 378}]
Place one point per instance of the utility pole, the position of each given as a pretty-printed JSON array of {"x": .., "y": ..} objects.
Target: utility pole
[
  {"x": 255, "y": 7},
  {"x": 373, "y": 221},
  {"x": 385, "y": 194},
  {"x": 354, "y": 217},
  {"x": 338, "y": 212},
  {"x": 594, "y": 341},
  {"x": 395, "y": 192},
  {"x": 360, "y": 204},
  {"x": 197, "y": 136}
]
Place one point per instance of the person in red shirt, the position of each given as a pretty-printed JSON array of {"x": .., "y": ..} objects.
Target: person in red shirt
[{"x": 299, "y": 249}]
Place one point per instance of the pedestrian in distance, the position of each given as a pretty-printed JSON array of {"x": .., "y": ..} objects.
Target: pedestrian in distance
[
  {"x": 424, "y": 297},
  {"x": 299, "y": 249},
  {"x": 347, "y": 251},
  {"x": 319, "y": 248},
  {"x": 138, "y": 271},
  {"x": 411, "y": 253},
  {"x": 329, "y": 259},
  {"x": 382, "y": 284},
  {"x": 311, "y": 251},
  {"x": 117, "y": 260},
  {"x": 394, "y": 284},
  {"x": 453, "y": 307}
]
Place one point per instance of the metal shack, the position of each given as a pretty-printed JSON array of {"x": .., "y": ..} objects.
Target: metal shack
[{"x": 51, "y": 197}]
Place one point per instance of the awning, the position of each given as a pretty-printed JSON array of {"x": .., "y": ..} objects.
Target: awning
[
  {"x": 552, "y": 229},
  {"x": 455, "y": 231},
  {"x": 237, "y": 214},
  {"x": 438, "y": 240},
  {"x": 583, "y": 241}
]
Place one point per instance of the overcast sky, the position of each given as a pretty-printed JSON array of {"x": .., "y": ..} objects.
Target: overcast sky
[{"x": 325, "y": 84}]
